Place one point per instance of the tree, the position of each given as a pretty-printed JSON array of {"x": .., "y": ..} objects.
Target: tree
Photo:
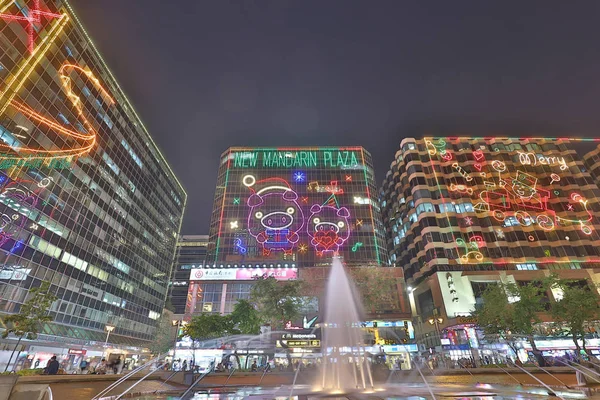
[
  {"x": 377, "y": 287},
  {"x": 515, "y": 318},
  {"x": 32, "y": 315},
  {"x": 277, "y": 302},
  {"x": 577, "y": 308},
  {"x": 208, "y": 326},
  {"x": 245, "y": 318},
  {"x": 164, "y": 337}
]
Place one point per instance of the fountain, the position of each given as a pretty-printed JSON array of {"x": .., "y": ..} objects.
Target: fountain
[{"x": 345, "y": 366}]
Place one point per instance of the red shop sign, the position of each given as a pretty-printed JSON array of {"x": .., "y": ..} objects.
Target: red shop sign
[{"x": 77, "y": 352}]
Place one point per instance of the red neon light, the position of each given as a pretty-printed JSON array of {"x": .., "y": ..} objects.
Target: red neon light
[{"x": 33, "y": 18}]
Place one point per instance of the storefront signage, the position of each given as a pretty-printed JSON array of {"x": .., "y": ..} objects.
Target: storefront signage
[
  {"x": 467, "y": 320},
  {"x": 14, "y": 274},
  {"x": 242, "y": 274},
  {"x": 296, "y": 159},
  {"x": 298, "y": 343},
  {"x": 299, "y": 336},
  {"x": 77, "y": 352}
]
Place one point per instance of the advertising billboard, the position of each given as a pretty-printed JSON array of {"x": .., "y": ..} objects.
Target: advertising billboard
[
  {"x": 242, "y": 274},
  {"x": 295, "y": 205}
]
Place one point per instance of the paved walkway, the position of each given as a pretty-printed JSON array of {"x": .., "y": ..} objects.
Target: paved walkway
[{"x": 87, "y": 390}]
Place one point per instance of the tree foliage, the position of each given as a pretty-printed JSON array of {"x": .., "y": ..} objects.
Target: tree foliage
[
  {"x": 245, "y": 318},
  {"x": 209, "y": 326},
  {"x": 164, "y": 337},
  {"x": 577, "y": 309},
  {"x": 377, "y": 287},
  {"x": 32, "y": 315},
  {"x": 277, "y": 302},
  {"x": 510, "y": 311}
]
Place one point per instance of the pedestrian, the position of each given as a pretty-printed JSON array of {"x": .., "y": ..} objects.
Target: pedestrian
[
  {"x": 52, "y": 367},
  {"x": 184, "y": 365},
  {"x": 102, "y": 367},
  {"x": 83, "y": 366},
  {"x": 117, "y": 366},
  {"x": 254, "y": 367}
]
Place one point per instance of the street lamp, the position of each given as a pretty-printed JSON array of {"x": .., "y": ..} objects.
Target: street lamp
[
  {"x": 109, "y": 329},
  {"x": 437, "y": 321},
  {"x": 176, "y": 323}
]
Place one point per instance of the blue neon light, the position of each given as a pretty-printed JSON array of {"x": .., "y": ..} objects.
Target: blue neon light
[{"x": 299, "y": 176}]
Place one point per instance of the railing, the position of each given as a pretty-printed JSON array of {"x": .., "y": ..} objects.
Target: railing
[
  {"x": 124, "y": 378},
  {"x": 49, "y": 393},
  {"x": 193, "y": 385},
  {"x": 152, "y": 370}
]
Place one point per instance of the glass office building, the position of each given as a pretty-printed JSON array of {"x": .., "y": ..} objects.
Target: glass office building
[
  {"x": 87, "y": 201},
  {"x": 191, "y": 253}
]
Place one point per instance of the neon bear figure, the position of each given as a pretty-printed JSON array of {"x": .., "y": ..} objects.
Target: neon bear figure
[
  {"x": 328, "y": 228},
  {"x": 275, "y": 217}
]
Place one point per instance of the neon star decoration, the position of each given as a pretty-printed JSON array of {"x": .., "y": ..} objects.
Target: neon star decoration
[
  {"x": 85, "y": 141},
  {"x": 236, "y": 200},
  {"x": 299, "y": 177},
  {"x": 32, "y": 19},
  {"x": 234, "y": 225},
  {"x": 302, "y": 248},
  {"x": 468, "y": 221}
]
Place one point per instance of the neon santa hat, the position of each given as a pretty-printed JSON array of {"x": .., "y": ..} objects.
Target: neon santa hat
[{"x": 267, "y": 186}]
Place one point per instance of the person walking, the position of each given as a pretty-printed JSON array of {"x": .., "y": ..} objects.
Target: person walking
[
  {"x": 117, "y": 366},
  {"x": 52, "y": 366}
]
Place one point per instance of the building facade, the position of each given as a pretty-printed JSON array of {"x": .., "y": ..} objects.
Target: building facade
[
  {"x": 461, "y": 213},
  {"x": 87, "y": 201},
  {"x": 191, "y": 254},
  {"x": 592, "y": 163}
]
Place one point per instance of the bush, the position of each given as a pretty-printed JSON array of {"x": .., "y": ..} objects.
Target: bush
[{"x": 30, "y": 372}]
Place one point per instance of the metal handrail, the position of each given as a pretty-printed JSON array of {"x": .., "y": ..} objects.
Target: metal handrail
[
  {"x": 49, "y": 392},
  {"x": 166, "y": 380},
  {"x": 139, "y": 381},
  {"x": 124, "y": 378},
  {"x": 193, "y": 385}
]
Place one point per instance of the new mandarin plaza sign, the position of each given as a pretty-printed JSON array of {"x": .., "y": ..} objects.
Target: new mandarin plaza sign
[
  {"x": 242, "y": 274},
  {"x": 271, "y": 158}
]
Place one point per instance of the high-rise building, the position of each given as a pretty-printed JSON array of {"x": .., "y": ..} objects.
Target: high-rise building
[
  {"x": 592, "y": 163},
  {"x": 461, "y": 213},
  {"x": 87, "y": 201},
  {"x": 278, "y": 211},
  {"x": 190, "y": 254},
  {"x": 295, "y": 207}
]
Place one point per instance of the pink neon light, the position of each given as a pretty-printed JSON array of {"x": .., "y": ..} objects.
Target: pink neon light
[
  {"x": 328, "y": 228},
  {"x": 33, "y": 18}
]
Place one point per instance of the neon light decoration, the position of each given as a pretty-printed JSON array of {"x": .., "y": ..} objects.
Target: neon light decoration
[
  {"x": 299, "y": 177},
  {"x": 333, "y": 188},
  {"x": 238, "y": 244},
  {"x": 234, "y": 225},
  {"x": 328, "y": 228},
  {"x": 356, "y": 246},
  {"x": 348, "y": 178},
  {"x": 86, "y": 141},
  {"x": 32, "y": 18},
  {"x": 274, "y": 217},
  {"x": 521, "y": 196},
  {"x": 236, "y": 200}
]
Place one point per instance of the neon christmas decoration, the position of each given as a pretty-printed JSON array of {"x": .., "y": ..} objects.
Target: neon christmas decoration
[
  {"x": 356, "y": 246},
  {"x": 234, "y": 225},
  {"x": 554, "y": 178},
  {"x": 359, "y": 222},
  {"x": 274, "y": 217},
  {"x": 302, "y": 248},
  {"x": 460, "y": 188},
  {"x": 333, "y": 188},
  {"x": 472, "y": 253},
  {"x": 304, "y": 200},
  {"x": 32, "y": 18},
  {"x": 468, "y": 221},
  {"x": 462, "y": 172},
  {"x": 236, "y": 200},
  {"x": 348, "y": 178},
  {"x": 239, "y": 246},
  {"x": 535, "y": 159},
  {"x": 86, "y": 141},
  {"x": 299, "y": 177},
  {"x": 328, "y": 228}
]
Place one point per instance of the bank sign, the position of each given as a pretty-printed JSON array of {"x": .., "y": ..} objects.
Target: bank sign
[{"x": 242, "y": 274}]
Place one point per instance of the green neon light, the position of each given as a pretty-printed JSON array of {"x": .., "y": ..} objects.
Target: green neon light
[
  {"x": 276, "y": 158},
  {"x": 222, "y": 209}
]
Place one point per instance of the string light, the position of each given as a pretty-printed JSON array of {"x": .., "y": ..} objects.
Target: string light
[{"x": 89, "y": 140}]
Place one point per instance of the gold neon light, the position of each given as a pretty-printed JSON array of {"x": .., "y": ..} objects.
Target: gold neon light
[
  {"x": 90, "y": 139},
  {"x": 17, "y": 81}
]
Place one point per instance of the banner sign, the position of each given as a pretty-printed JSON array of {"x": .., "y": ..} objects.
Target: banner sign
[{"x": 242, "y": 274}]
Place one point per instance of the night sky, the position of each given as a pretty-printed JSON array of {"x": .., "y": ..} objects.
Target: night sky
[{"x": 206, "y": 75}]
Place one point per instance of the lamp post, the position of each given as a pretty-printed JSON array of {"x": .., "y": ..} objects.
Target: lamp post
[
  {"x": 109, "y": 329},
  {"x": 435, "y": 320},
  {"x": 176, "y": 323}
]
